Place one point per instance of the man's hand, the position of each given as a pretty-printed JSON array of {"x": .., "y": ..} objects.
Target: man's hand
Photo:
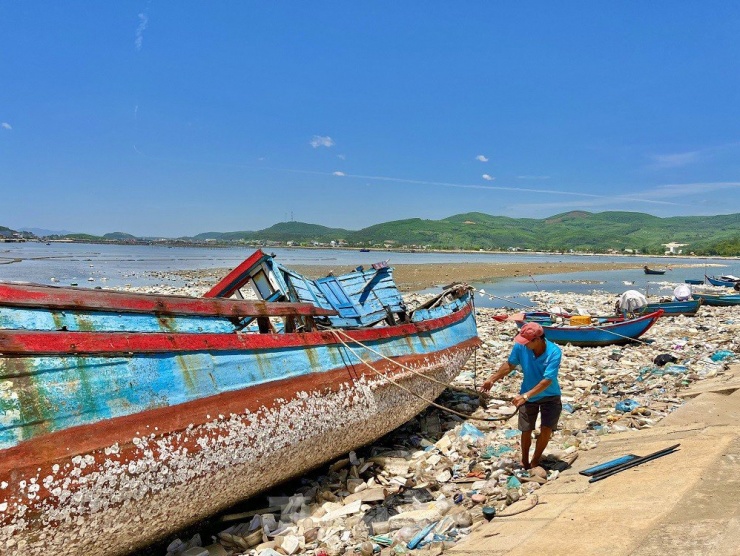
[
  {"x": 486, "y": 386},
  {"x": 519, "y": 400}
]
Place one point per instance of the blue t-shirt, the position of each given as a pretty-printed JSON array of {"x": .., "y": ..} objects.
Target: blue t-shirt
[{"x": 535, "y": 369}]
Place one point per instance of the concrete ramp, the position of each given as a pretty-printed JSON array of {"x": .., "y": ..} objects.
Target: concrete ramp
[{"x": 683, "y": 503}]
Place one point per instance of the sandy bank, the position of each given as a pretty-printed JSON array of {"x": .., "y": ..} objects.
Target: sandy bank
[{"x": 415, "y": 277}]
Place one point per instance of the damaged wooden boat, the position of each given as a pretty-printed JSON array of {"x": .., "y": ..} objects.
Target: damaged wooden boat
[{"x": 124, "y": 417}]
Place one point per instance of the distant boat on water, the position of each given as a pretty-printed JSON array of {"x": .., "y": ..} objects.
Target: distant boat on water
[
  {"x": 653, "y": 270},
  {"x": 364, "y": 250}
]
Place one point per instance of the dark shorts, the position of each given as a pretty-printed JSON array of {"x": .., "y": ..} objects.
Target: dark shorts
[{"x": 549, "y": 409}]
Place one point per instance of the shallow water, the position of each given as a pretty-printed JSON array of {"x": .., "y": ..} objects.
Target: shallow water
[{"x": 91, "y": 265}]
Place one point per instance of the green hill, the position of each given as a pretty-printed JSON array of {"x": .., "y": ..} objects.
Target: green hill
[
  {"x": 577, "y": 230},
  {"x": 119, "y": 236}
]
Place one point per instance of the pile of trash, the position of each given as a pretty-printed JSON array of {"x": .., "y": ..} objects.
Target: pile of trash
[
  {"x": 428, "y": 484},
  {"x": 425, "y": 486},
  {"x": 615, "y": 388}
]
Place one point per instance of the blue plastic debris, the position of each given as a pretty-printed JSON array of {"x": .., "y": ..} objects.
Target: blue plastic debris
[
  {"x": 675, "y": 369},
  {"x": 413, "y": 543},
  {"x": 569, "y": 408},
  {"x": 625, "y": 406},
  {"x": 513, "y": 482},
  {"x": 469, "y": 430},
  {"x": 511, "y": 433},
  {"x": 496, "y": 451},
  {"x": 721, "y": 355}
]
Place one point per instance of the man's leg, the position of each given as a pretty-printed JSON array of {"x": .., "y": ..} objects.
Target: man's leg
[
  {"x": 527, "y": 419},
  {"x": 526, "y": 444},
  {"x": 541, "y": 444},
  {"x": 550, "y": 409}
]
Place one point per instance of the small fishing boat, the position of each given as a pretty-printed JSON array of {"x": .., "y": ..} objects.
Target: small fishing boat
[
  {"x": 600, "y": 331},
  {"x": 688, "y": 308},
  {"x": 124, "y": 417},
  {"x": 653, "y": 270},
  {"x": 728, "y": 300},
  {"x": 693, "y": 282},
  {"x": 364, "y": 250},
  {"x": 728, "y": 281}
]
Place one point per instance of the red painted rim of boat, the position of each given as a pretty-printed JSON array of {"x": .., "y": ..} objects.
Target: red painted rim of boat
[
  {"x": 53, "y": 297},
  {"x": 61, "y": 343}
]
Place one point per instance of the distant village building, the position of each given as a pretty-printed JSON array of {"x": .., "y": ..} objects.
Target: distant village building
[{"x": 673, "y": 248}]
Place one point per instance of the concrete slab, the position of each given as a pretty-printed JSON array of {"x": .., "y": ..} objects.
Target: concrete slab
[{"x": 682, "y": 503}]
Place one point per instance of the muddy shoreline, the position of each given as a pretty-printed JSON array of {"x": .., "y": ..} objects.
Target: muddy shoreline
[{"x": 416, "y": 277}]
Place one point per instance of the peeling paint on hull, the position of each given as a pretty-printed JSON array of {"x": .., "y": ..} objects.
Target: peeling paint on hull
[{"x": 115, "y": 484}]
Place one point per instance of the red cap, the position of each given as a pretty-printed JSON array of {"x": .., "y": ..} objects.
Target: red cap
[{"x": 529, "y": 332}]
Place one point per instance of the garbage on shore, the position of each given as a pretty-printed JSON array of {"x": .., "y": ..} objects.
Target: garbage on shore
[{"x": 424, "y": 486}]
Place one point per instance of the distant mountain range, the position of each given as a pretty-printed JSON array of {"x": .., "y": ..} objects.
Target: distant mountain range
[
  {"x": 41, "y": 232},
  {"x": 577, "y": 231}
]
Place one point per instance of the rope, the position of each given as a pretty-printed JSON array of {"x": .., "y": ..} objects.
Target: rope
[
  {"x": 491, "y": 296},
  {"x": 532, "y": 503},
  {"x": 429, "y": 402},
  {"x": 462, "y": 389}
]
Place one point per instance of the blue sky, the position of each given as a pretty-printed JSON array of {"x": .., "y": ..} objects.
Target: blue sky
[{"x": 174, "y": 118}]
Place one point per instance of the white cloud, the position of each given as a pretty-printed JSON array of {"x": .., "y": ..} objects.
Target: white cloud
[
  {"x": 341, "y": 157},
  {"x": 481, "y": 158},
  {"x": 321, "y": 141},
  {"x": 488, "y": 177},
  {"x": 6, "y": 125},
  {"x": 338, "y": 174},
  {"x": 143, "y": 21}
]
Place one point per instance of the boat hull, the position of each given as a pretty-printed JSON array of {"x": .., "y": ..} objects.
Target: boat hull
[
  {"x": 111, "y": 452},
  {"x": 674, "y": 308},
  {"x": 730, "y": 300},
  {"x": 604, "y": 334},
  {"x": 721, "y": 283}
]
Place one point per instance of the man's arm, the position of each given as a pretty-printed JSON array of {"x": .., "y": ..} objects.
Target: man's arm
[
  {"x": 503, "y": 370},
  {"x": 541, "y": 386}
]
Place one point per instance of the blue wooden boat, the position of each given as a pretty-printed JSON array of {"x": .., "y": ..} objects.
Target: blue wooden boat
[
  {"x": 718, "y": 300},
  {"x": 693, "y": 282},
  {"x": 151, "y": 412},
  {"x": 673, "y": 308},
  {"x": 604, "y": 331},
  {"x": 724, "y": 281}
]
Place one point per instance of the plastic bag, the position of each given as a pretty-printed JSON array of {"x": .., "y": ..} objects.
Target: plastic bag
[
  {"x": 721, "y": 355},
  {"x": 625, "y": 406},
  {"x": 470, "y": 431}
]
